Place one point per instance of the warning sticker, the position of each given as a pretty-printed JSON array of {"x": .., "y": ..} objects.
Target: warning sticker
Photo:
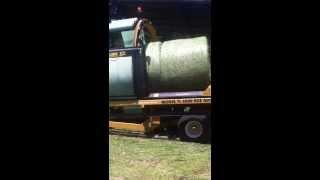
[{"x": 187, "y": 101}]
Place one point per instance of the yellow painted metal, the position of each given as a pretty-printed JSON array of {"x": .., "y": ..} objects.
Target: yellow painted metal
[
  {"x": 127, "y": 126},
  {"x": 148, "y": 126},
  {"x": 207, "y": 92}
]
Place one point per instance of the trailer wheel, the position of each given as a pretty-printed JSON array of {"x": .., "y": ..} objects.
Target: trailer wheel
[{"x": 193, "y": 130}]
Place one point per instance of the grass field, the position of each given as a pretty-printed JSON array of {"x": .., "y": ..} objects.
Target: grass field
[{"x": 148, "y": 159}]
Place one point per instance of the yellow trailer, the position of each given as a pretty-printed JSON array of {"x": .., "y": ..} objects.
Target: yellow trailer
[{"x": 188, "y": 118}]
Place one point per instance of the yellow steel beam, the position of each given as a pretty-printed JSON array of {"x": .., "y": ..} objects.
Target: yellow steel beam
[
  {"x": 147, "y": 126},
  {"x": 127, "y": 126}
]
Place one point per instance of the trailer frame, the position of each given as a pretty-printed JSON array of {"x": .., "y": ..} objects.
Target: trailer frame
[{"x": 158, "y": 114}]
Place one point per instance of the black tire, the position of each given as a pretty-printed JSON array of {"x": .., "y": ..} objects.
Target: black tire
[{"x": 194, "y": 130}]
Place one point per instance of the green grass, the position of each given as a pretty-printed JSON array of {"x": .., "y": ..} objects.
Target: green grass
[{"x": 148, "y": 159}]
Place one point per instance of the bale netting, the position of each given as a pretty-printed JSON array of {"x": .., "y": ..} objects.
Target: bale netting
[{"x": 178, "y": 65}]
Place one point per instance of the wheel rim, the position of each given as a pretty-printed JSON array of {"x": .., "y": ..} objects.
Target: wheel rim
[{"x": 194, "y": 129}]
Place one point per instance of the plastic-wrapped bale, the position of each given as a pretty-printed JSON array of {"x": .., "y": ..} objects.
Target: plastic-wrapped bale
[
  {"x": 153, "y": 65},
  {"x": 178, "y": 65}
]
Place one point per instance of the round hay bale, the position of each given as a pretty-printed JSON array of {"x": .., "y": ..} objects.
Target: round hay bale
[
  {"x": 184, "y": 65},
  {"x": 153, "y": 65}
]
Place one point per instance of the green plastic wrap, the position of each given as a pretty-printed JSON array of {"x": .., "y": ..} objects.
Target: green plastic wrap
[
  {"x": 153, "y": 65},
  {"x": 178, "y": 65}
]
